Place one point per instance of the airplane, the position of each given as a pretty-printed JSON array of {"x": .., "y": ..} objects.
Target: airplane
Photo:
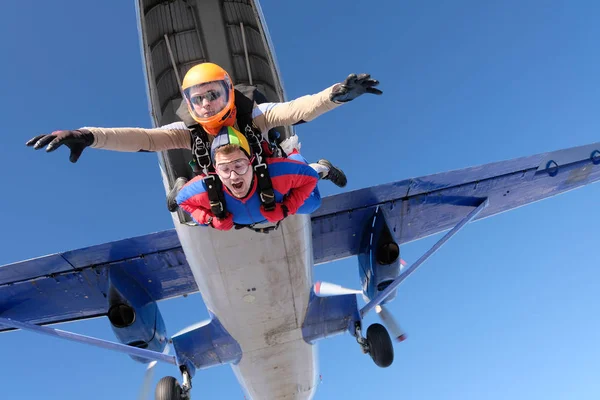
[{"x": 124, "y": 280}]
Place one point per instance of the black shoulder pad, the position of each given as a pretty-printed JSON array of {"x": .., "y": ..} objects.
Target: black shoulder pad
[
  {"x": 251, "y": 92},
  {"x": 244, "y": 99}
]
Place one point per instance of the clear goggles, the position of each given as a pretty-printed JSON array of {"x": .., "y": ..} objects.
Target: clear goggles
[{"x": 240, "y": 166}]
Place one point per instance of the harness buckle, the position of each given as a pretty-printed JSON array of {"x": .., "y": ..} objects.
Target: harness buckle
[
  {"x": 216, "y": 206},
  {"x": 201, "y": 152},
  {"x": 267, "y": 198}
]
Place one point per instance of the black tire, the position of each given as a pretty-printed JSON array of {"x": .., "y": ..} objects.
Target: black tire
[
  {"x": 168, "y": 389},
  {"x": 381, "y": 349}
]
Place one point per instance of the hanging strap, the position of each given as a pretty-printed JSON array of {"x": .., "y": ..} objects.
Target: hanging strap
[
  {"x": 265, "y": 186},
  {"x": 266, "y": 229},
  {"x": 216, "y": 197}
]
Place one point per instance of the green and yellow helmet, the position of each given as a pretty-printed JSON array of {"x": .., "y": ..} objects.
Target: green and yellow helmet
[{"x": 229, "y": 135}]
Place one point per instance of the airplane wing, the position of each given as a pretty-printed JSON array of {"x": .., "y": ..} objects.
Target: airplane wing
[
  {"x": 72, "y": 285},
  {"x": 420, "y": 207}
]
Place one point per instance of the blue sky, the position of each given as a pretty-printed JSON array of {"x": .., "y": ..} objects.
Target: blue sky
[{"x": 506, "y": 309}]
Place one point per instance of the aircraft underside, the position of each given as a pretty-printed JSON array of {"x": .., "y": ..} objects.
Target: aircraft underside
[{"x": 258, "y": 287}]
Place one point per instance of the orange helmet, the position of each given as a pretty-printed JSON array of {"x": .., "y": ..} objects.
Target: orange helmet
[{"x": 209, "y": 95}]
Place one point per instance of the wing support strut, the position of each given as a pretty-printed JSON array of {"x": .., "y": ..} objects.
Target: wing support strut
[
  {"x": 384, "y": 294},
  {"x": 75, "y": 337}
]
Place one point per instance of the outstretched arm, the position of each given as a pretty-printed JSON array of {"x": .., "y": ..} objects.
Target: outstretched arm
[
  {"x": 307, "y": 108},
  {"x": 302, "y": 109},
  {"x": 173, "y": 136}
]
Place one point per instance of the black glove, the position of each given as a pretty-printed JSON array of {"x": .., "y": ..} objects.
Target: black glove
[
  {"x": 75, "y": 140},
  {"x": 353, "y": 87}
]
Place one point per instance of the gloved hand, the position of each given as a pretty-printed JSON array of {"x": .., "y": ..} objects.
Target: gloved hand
[
  {"x": 224, "y": 224},
  {"x": 353, "y": 87},
  {"x": 202, "y": 216},
  {"x": 76, "y": 140},
  {"x": 279, "y": 213},
  {"x": 207, "y": 218}
]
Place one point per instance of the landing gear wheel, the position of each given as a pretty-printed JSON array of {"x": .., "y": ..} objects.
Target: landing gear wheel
[
  {"x": 380, "y": 345},
  {"x": 168, "y": 389}
]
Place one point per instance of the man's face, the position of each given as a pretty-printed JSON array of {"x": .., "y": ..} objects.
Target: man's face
[
  {"x": 226, "y": 166},
  {"x": 208, "y": 99}
]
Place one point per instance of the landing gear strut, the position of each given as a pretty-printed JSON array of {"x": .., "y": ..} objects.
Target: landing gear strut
[
  {"x": 169, "y": 389},
  {"x": 377, "y": 344}
]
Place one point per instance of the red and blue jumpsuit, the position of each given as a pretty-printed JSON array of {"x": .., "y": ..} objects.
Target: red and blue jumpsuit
[{"x": 292, "y": 180}]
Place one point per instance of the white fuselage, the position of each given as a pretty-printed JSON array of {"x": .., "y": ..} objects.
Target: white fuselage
[{"x": 258, "y": 286}]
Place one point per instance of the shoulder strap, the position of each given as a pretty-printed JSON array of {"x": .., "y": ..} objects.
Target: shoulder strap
[
  {"x": 245, "y": 97},
  {"x": 201, "y": 161},
  {"x": 265, "y": 186},
  {"x": 202, "y": 164},
  {"x": 216, "y": 197}
]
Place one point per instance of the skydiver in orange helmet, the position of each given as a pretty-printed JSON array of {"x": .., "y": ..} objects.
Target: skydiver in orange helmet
[{"x": 210, "y": 97}]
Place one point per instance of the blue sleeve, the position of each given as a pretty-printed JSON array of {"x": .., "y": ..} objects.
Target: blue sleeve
[{"x": 311, "y": 204}]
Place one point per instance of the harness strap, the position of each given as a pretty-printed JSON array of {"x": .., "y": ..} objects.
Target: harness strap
[
  {"x": 216, "y": 197},
  {"x": 201, "y": 154},
  {"x": 266, "y": 229},
  {"x": 254, "y": 140},
  {"x": 201, "y": 161},
  {"x": 202, "y": 164},
  {"x": 265, "y": 186}
]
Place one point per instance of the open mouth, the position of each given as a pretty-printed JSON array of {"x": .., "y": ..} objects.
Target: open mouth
[{"x": 238, "y": 185}]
